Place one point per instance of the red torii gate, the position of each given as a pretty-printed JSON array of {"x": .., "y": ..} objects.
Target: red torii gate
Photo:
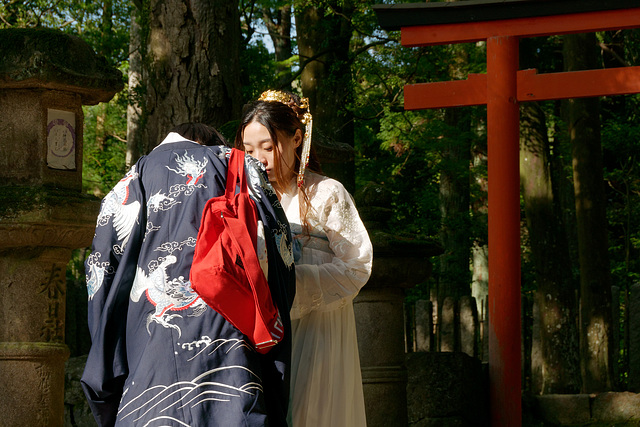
[{"x": 502, "y": 88}]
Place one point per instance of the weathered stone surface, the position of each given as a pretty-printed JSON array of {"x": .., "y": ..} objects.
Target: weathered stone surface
[
  {"x": 379, "y": 325},
  {"x": 374, "y": 205},
  {"x": 385, "y": 396},
  {"x": 424, "y": 325},
  {"x": 399, "y": 272},
  {"x": 446, "y": 387},
  {"x": 32, "y": 286},
  {"x": 31, "y": 378},
  {"x": 634, "y": 338},
  {"x": 76, "y": 408},
  {"x": 32, "y": 216},
  {"x": 468, "y": 326},
  {"x": 46, "y": 58},
  {"x": 23, "y": 138},
  {"x": 447, "y": 325},
  {"x": 400, "y": 262},
  {"x": 616, "y": 407},
  {"x": 615, "y": 326},
  {"x": 563, "y": 409}
]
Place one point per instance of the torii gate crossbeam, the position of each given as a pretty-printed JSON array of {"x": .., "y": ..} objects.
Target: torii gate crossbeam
[{"x": 502, "y": 88}]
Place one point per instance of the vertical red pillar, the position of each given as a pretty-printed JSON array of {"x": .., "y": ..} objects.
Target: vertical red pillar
[{"x": 503, "y": 126}]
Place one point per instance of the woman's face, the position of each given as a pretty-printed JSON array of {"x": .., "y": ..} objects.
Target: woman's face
[{"x": 257, "y": 143}]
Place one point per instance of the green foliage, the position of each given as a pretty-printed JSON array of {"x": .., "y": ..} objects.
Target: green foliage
[
  {"x": 260, "y": 73},
  {"x": 402, "y": 149},
  {"x": 108, "y": 37},
  {"x": 105, "y": 132},
  {"x": 399, "y": 149},
  {"x": 620, "y": 136},
  {"x": 32, "y": 13}
]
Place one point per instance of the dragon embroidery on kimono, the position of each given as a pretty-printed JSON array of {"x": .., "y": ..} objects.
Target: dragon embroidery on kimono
[{"x": 189, "y": 167}]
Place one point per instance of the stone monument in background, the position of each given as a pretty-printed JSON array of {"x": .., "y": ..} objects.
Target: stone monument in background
[
  {"x": 398, "y": 264},
  {"x": 45, "y": 78}
]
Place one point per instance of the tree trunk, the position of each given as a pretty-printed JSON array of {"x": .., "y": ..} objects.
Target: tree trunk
[
  {"x": 323, "y": 45},
  {"x": 278, "y": 24},
  {"x": 455, "y": 185},
  {"x": 106, "y": 50},
  {"x": 558, "y": 367},
  {"x": 582, "y": 118},
  {"x": 555, "y": 359},
  {"x": 191, "y": 67},
  {"x": 106, "y": 31},
  {"x": 134, "y": 110},
  {"x": 455, "y": 235}
]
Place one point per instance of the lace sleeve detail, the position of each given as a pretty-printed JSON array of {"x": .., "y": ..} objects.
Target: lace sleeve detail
[{"x": 338, "y": 278}]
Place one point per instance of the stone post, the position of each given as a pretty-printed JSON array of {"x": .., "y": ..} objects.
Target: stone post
[
  {"x": 398, "y": 264},
  {"x": 45, "y": 78},
  {"x": 424, "y": 325},
  {"x": 634, "y": 338}
]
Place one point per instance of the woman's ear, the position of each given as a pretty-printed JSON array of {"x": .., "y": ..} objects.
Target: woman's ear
[{"x": 297, "y": 138}]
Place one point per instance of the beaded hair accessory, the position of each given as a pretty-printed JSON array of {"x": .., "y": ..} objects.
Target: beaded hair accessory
[{"x": 306, "y": 119}]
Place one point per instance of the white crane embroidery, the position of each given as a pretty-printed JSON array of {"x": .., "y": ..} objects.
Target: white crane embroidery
[
  {"x": 114, "y": 205},
  {"x": 167, "y": 295}
]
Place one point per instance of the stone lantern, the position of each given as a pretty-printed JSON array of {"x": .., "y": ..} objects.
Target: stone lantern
[
  {"x": 398, "y": 264},
  {"x": 45, "y": 78}
]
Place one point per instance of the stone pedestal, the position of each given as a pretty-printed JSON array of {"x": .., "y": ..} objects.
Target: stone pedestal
[
  {"x": 31, "y": 375},
  {"x": 446, "y": 389},
  {"x": 45, "y": 78},
  {"x": 398, "y": 264}
]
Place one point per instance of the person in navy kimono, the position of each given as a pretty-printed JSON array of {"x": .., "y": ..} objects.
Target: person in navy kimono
[{"x": 160, "y": 356}]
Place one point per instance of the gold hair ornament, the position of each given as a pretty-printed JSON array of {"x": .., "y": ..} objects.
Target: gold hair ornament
[{"x": 306, "y": 119}]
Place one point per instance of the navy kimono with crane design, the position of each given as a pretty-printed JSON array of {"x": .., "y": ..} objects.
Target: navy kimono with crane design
[{"x": 160, "y": 356}]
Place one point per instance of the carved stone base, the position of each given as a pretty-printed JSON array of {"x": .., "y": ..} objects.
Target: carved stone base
[
  {"x": 32, "y": 384},
  {"x": 32, "y": 349},
  {"x": 385, "y": 395},
  {"x": 379, "y": 324}
]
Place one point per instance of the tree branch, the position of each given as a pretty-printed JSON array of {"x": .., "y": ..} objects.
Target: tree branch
[
  {"x": 370, "y": 45},
  {"x": 114, "y": 136},
  {"x": 613, "y": 53}
]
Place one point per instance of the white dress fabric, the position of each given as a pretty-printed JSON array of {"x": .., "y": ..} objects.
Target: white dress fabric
[{"x": 333, "y": 265}]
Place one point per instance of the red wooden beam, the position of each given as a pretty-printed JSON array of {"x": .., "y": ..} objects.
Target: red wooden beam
[
  {"x": 457, "y": 93},
  {"x": 503, "y": 173},
  {"x": 466, "y": 32},
  {"x": 531, "y": 87},
  {"x": 577, "y": 84}
]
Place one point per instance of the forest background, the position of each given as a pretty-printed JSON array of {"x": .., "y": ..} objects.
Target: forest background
[{"x": 580, "y": 177}]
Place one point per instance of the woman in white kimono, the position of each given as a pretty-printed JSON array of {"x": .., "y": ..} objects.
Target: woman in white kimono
[{"x": 333, "y": 257}]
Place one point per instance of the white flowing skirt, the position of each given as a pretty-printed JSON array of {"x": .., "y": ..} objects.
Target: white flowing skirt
[{"x": 326, "y": 382}]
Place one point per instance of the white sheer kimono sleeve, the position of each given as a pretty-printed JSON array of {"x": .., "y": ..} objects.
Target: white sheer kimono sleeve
[{"x": 331, "y": 271}]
